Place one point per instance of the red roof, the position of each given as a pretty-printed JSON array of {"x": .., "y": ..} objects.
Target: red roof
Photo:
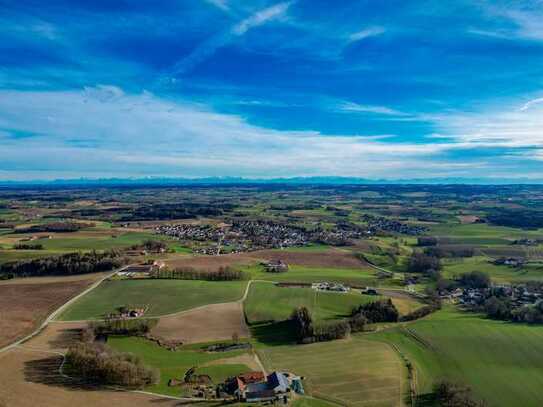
[{"x": 251, "y": 377}]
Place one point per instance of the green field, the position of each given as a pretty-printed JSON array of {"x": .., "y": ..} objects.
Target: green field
[
  {"x": 95, "y": 238},
  {"x": 175, "y": 364},
  {"x": 481, "y": 231},
  {"x": 162, "y": 296},
  {"x": 501, "y": 361},
  {"x": 349, "y": 372},
  {"x": 267, "y": 302},
  {"x": 303, "y": 274},
  {"x": 529, "y": 272}
]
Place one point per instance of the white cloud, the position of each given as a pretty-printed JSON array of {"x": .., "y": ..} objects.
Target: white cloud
[
  {"x": 383, "y": 110},
  {"x": 106, "y": 130},
  {"x": 366, "y": 33}
]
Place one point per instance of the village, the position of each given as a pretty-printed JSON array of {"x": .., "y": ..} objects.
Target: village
[
  {"x": 245, "y": 236},
  {"x": 520, "y": 295}
]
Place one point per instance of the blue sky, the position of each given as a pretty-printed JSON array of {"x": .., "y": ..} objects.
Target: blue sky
[{"x": 373, "y": 89}]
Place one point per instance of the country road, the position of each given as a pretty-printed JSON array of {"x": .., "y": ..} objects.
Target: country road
[{"x": 59, "y": 310}]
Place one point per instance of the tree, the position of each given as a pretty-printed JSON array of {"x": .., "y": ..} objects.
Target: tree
[
  {"x": 423, "y": 263},
  {"x": 475, "y": 279},
  {"x": 453, "y": 394}
]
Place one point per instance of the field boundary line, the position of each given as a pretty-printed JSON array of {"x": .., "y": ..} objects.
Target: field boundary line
[{"x": 60, "y": 309}]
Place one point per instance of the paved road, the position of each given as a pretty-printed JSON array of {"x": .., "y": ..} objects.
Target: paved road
[{"x": 59, "y": 310}]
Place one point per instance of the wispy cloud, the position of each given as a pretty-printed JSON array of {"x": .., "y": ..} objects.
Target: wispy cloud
[
  {"x": 105, "y": 129},
  {"x": 381, "y": 110},
  {"x": 366, "y": 33},
  {"x": 261, "y": 17},
  {"x": 530, "y": 104},
  {"x": 208, "y": 48},
  {"x": 222, "y": 4}
]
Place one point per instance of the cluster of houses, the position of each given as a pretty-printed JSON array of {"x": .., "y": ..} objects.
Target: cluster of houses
[
  {"x": 527, "y": 242},
  {"x": 275, "y": 266},
  {"x": 243, "y": 236},
  {"x": 520, "y": 295},
  {"x": 379, "y": 223},
  {"x": 509, "y": 261},
  {"x": 256, "y": 387},
  {"x": 132, "y": 311},
  {"x": 333, "y": 287},
  {"x": 200, "y": 233}
]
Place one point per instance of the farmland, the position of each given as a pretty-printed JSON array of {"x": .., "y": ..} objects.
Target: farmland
[
  {"x": 500, "y": 360},
  {"x": 354, "y": 372},
  {"x": 215, "y": 322},
  {"x": 267, "y": 302},
  {"x": 24, "y": 306},
  {"x": 361, "y": 237},
  {"x": 162, "y": 296}
]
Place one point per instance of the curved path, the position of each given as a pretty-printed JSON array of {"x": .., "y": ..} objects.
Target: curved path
[{"x": 59, "y": 310}]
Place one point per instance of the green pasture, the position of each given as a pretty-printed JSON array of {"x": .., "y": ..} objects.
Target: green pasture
[
  {"x": 175, "y": 364},
  {"x": 267, "y": 302},
  {"x": 162, "y": 296},
  {"x": 16, "y": 255},
  {"x": 501, "y": 361},
  {"x": 499, "y": 274},
  {"x": 353, "y": 372},
  {"x": 481, "y": 230}
]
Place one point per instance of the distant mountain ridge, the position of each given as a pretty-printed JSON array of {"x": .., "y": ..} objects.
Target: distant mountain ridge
[{"x": 322, "y": 180}]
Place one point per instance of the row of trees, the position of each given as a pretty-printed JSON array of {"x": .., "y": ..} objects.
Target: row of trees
[
  {"x": 61, "y": 227},
  {"x": 188, "y": 273},
  {"x": 127, "y": 327},
  {"x": 67, "y": 264},
  {"x": 100, "y": 364},
  {"x": 28, "y": 246},
  {"x": 308, "y": 332}
]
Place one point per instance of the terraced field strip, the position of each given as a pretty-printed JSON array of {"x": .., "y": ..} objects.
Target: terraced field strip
[{"x": 351, "y": 372}]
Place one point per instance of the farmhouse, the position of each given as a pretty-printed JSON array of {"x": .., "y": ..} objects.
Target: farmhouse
[
  {"x": 509, "y": 261},
  {"x": 326, "y": 286},
  {"x": 276, "y": 266},
  {"x": 254, "y": 387}
]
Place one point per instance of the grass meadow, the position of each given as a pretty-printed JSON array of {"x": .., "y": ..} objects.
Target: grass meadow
[
  {"x": 267, "y": 302},
  {"x": 353, "y": 372},
  {"x": 162, "y": 297},
  {"x": 501, "y": 361}
]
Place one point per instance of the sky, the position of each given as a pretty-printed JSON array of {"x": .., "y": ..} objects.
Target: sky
[{"x": 264, "y": 89}]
